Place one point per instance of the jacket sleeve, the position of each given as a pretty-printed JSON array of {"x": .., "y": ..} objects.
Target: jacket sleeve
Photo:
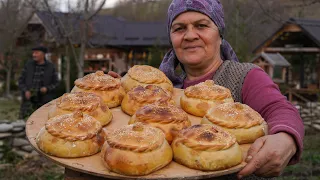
[
  {"x": 22, "y": 79},
  {"x": 54, "y": 81},
  {"x": 263, "y": 95}
]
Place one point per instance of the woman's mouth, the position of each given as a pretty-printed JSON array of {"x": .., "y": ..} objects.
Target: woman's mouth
[{"x": 191, "y": 48}]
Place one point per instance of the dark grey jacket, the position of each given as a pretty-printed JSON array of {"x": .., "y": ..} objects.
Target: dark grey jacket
[{"x": 50, "y": 80}]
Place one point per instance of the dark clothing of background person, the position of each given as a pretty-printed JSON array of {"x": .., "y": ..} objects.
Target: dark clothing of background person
[{"x": 35, "y": 76}]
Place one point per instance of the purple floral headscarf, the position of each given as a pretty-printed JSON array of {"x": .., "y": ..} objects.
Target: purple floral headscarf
[{"x": 213, "y": 9}]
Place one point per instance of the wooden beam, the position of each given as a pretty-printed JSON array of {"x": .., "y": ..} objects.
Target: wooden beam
[
  {"x": 292, "y": 50},
  {"x": 285, "y": 28},
  {"x": 292, "y": 28}
]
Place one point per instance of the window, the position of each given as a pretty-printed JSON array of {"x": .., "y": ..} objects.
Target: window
[{"x": 277, "y": 72}]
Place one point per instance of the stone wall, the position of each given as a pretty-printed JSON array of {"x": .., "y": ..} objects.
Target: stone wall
[
  {"x": 13, "y": 138},
  {"x": 310, "y": 113}
]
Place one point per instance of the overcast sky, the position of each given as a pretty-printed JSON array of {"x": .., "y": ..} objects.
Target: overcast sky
[{"x": 63, "y": 3}]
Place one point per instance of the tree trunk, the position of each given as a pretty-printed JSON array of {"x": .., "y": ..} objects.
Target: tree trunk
[
  {"x": 67, "y": 73},
  {"x": 84, "y": 38},
  {"x": 8, "y": 79},
  {"x": 81, "y": 60}
]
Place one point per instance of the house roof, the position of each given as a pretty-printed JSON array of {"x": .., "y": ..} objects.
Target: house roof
[
  {"x": 109, "y": 30},
  {"x": 311, "y": 27},
  {"x": 275, "y": 59}
]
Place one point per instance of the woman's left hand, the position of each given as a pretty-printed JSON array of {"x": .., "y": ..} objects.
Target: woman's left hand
[{"x": 269, "y": 155}]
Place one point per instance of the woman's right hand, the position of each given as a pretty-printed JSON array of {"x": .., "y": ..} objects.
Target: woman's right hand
[{"x": 114, "y": 74}]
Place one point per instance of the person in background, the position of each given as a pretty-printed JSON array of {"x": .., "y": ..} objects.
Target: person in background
[
  {"x": 195, "y": 30},
  {"x": 37, "y": 82}
]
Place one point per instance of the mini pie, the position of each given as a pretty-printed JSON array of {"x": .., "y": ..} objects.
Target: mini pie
[
  {"x": 70, "y": 136},
  {"x": 206, "y": 147},
  {"x": 198, "y": 99},
  {"x": 167, "y": 117},
  {"x": 103, "y": 85},
  {"x": 140, "y": 96},
  {"x": 136, "y": 150},
  {"x": 239, "y": 119},
  {"x": 144, "y": 75},
  {"x": 88, "y": 103}
]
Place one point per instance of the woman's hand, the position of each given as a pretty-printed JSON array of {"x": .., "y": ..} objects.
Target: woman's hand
[
  {"x": 114, "y": 74},
  {"x": 269, "y": 155}
]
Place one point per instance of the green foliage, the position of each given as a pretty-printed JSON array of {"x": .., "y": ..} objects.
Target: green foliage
[
  {"x": 156, "y": 56},
  {"x": 13, "y": 86},
  {"x": 9, "y": 109}
]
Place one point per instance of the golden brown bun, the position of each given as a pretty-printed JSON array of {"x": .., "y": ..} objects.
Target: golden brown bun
[
  {"x": 88, "y": 103},
  {"x": 239, "y": 119},
  {"x": 103, "y": 85},
  {"x": 144, "y": 75},
  {"x": 198, "y": 99},
  {"x": 167, "y": 117},
  {"x": 71, "y": 135},
  {"x": 206, "y": 147},
  {"x": 136, "y": 150},
  {"x": 140, "y": 96}
]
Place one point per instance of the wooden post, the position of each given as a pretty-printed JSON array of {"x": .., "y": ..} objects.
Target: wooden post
[
  {"x": 301, "y": 71},
  {"x": 290, "y": 95},
  {"x": 318, "y": 69}
]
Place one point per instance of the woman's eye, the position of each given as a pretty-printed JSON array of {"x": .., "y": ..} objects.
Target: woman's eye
[
  {"x": 202, "y": 25},
  {"x": 178, "y": 29}
]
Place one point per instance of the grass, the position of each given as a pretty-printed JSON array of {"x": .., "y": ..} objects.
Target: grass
[
  {"x": 9, "y": 109},
  {"x": 309, "y": 166},
  {"x": 34, "y": 168}
]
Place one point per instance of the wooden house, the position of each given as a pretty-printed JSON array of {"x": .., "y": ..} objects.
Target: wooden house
[
  {"x": 274, "y": 64},
  {"x": 113, "y": 43},
  {"x": 298, "y": 40}
]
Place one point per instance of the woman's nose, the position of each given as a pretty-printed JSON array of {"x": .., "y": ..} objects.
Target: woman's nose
[{"x": 191, "y": 34}]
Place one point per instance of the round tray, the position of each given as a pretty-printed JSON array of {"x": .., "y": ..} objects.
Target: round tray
[{"x": 93, "y": 164}]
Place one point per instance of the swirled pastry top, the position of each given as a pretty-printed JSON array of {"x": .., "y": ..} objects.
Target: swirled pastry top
[
  {"x": 150, "y": 93},
  {"x": 98, "y": 81},
  {"x": 161, "y": 113},
  {"x": 81, "y": 101},
  {"x": 205, "y": 137},
  {"x": 74, "y": 126},
  {"x": 208, "y": 91},
  {"x": 136, "y": 137},
  {"x": 147, "y": 74},
  {"x": 234, "y": 115}
]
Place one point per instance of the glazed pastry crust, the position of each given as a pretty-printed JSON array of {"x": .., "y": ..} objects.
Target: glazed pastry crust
[
  {"x": 239, "y": 119},
  {"x": 206, "y": 147},
  {"x": 103, "y": 85},
  {"x": 198, "y": 99},
  {"x": 144, "y": 75},
  {"x": 140, "y": 96},
  {"x": 71, "y": 135},
  {"x": 136, "y": 150},
  {"x": 169, "y": 118},
  {"x": 88, "y": 103}
]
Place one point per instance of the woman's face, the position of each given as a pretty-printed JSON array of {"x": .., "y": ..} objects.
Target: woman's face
[{"x": 195, "y": 39}]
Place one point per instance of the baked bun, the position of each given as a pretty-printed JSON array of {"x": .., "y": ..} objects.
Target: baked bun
[
  {"x": 88, "y": 103},
  {"x": 206, "y": 147},
  {"x": 198, "y": 99},
  {"x": 136, "y": 150},
  {"x": 239, "y": 119},
  {"x": 103, "y": 85},
  {"x": 144, "y": 75},
  {"x": 70, "y": 136},
  {"x": 140, "y": 96},
  {"x": 167, "y": 117}
]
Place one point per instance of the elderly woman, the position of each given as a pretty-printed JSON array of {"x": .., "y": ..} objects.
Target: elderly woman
[{"x": 195, "y": 28}]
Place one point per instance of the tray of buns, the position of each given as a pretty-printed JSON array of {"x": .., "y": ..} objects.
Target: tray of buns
[{"x": 140, "y": 127}]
